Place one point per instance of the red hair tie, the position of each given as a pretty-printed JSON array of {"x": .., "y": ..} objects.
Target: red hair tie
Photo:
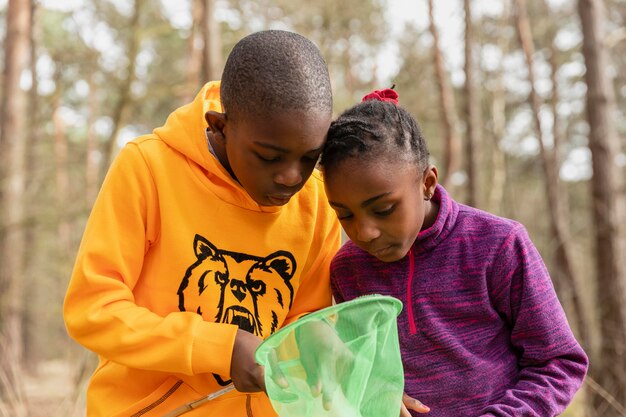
[{"x": 382, "y": 95}]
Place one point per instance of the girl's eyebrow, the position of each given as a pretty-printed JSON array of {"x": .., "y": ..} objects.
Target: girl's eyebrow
[
  {"x": 373, "y": 199},
  {"x": 363, "y": 204}
]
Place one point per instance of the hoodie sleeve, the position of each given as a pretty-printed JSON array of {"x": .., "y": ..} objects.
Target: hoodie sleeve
[
  {"x": 552, "y": 364},
  {"x": 100, "y": 311},
  {"x": 314, "y": 291}
]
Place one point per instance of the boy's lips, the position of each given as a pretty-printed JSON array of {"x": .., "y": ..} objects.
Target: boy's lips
[{"x": 279, "y": 199}]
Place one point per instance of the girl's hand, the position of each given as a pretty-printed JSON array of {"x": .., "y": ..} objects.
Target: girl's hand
[
  {"x": 409, "y": 403},
  {"x": 325, "y": 358},
  {"x": 247, "y": 375}
]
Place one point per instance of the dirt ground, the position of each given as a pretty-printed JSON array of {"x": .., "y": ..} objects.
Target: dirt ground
[
  {"x": 50, "y": 390},
  {"x": 54, "y": 390}
]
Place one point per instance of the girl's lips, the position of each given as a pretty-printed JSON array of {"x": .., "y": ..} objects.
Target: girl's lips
[{"x": 381, "y": 251}]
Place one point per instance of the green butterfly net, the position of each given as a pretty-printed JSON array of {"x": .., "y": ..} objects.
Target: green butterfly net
[{"x": 351, "y": 347}]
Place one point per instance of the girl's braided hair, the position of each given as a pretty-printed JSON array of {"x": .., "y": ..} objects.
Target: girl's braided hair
[{"x": 377, "y": 126}]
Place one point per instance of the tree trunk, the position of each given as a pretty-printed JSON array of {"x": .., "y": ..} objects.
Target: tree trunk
[
  {"x": 212, "y": 51},
  {"x": 570, "y": 296},
  {"x": 91, "y": 163},
  {"x": 472, "y": 113},
  {"x": 12, "y": 180},
  {"x": 62, "y": 181},
  {"x": 349, "y": 82},
  {"x": 452, "y": 142},
  {"x": 121, "y": 107},
  {"x": 563, "y": 273},
  {"x": 607, "y": 212},
  {"x": 33, "y": 139},
  {"x": 499, "y": 178},
  {"x": 195, "y": 48}
]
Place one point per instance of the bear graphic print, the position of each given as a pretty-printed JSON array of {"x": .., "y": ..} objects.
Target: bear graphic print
[{"x": 252, "y": 292}]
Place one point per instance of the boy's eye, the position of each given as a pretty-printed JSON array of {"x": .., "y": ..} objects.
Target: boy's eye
[
  {"x": 266, "y": 158},
  {"x": 343, "y": 215}
]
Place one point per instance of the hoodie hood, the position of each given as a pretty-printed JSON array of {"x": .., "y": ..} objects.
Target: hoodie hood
[
  {"x": 185, "y": 128},
  {"x": 185, "y": 132}
]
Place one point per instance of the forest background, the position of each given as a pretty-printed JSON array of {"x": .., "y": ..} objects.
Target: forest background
[{"x": 522, "y": 103}]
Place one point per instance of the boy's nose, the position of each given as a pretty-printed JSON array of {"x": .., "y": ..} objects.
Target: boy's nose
[{"x": 289, "y": 177}]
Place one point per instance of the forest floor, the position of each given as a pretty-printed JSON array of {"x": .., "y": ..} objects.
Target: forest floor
[
  {"x": 49, "y": 390},
  {"x": 56, "y": 389}
]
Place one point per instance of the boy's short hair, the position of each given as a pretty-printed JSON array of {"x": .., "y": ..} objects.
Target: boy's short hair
[{"x": 275, "y": 70}]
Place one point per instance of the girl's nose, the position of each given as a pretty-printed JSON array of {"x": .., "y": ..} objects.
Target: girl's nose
[
  {"x": 290, "y": 176},
  {"x": 366, "y": 230}
]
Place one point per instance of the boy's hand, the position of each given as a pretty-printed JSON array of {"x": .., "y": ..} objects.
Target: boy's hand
[
  {"x": 247, "y": 375},
  {"x": 325, "y": 358},
  {"x": 409, "y": 403}
]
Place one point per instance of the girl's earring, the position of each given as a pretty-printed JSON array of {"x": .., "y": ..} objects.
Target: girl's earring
[{"x": 427, "y": 197}]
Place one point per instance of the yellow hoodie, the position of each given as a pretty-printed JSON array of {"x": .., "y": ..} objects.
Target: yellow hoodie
[{"x": 174, "y": 257}]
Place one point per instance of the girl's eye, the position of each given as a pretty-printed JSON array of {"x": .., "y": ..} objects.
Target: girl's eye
[{"x": 385, "y": 212}]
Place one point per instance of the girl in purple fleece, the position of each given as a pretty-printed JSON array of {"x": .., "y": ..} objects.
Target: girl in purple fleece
[{"x": 482, "y": 332}]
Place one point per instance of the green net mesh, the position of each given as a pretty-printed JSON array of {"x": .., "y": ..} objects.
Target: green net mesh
[{"x": 351, "y": 347}]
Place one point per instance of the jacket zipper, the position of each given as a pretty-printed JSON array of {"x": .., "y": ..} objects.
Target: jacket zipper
[{"x": 409, "y": 293}]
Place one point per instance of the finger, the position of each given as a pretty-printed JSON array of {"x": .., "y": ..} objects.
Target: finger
[
  {"x": 313, "y": 379},
  {"x": 329, "y": 387},
  {"x": 404, "y": 412},
  {"x": 316, "y": 387},
  {"x": 261, "y": 378},
  {"x": 328, "y": 392},
  {"x": 277, "y": 374},
  {"x": 412, "y": 404}
]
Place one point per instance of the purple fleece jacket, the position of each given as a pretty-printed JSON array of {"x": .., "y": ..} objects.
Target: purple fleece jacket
[{"x": 482, "y": 332}]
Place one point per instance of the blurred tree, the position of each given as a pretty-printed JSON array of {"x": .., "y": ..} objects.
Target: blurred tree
[
  {"x": 417, "y": 90},
  {"x": 495, "y": 94},
  {"x": 12, "y": 190},
  {"x": 122, "y": 105},
  {"x": 472, "y": 112},
  {"x": 563, "y": 274},
  {"x": 607, "y": 211},
  {"x": 195, "y": 46},
  {"x": 91, "y": 140},
  {"x": 212, "y": 51},
  {"x": 60, "y": 147},
  {"x": 32, "y": 137},
  {"x": 451, "y": 157},
  {"x": 616, "y": 48},
  {"x": 204, "y": 45},
  {"x": 350, "y": 35}
]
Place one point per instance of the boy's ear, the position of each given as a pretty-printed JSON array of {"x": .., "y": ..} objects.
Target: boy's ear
[
  {"x": 217, "y": 123},
  {"x": 431, "y": 179}
]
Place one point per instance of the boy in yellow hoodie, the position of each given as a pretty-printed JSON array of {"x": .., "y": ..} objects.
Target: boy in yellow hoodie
[{"x": 208, "y": 235}]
